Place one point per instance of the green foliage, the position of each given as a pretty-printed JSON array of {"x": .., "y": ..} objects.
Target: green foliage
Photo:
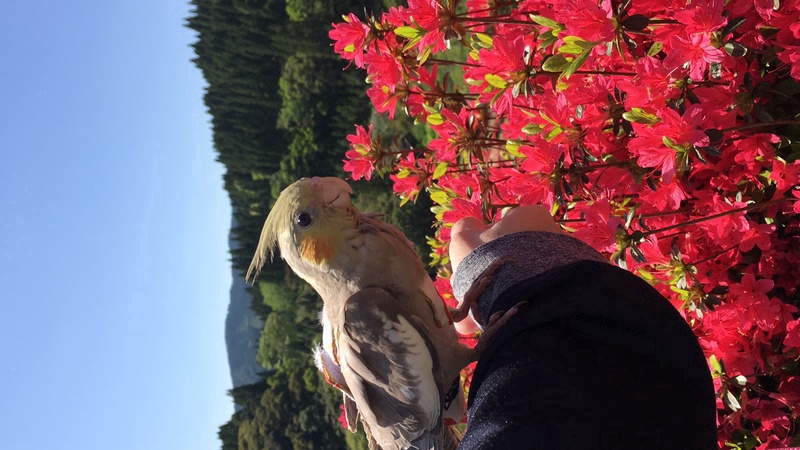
[
  {"x": 276, "y": 295},
  {"x": 302, "y": 10},
  {"x": 357, "y": 441},
  {"x": 300, "y": 88}
]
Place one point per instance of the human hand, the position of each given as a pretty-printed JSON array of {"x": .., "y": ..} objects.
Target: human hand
[{"x": 469, "y": 233}]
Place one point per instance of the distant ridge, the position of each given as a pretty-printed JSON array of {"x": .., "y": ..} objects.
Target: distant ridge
[{"x": 242, "y": 329}]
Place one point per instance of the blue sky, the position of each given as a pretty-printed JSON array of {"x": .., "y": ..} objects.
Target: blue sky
[{"x": 114, "y": 271}]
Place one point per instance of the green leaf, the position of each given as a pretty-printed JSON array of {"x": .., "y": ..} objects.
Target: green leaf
[
  {"x": 512, "y": 145},
  {"x": 424, "y": 56},
  {"x": 582, "y": 43},
  {"x": 439, "y": 197},
  {"x": 441, "y": 169},
  {"x": 473, "y": 82},
  {"x": 430, "y": 109},
  {"x": 495, "y": 81},
  {"x": 553, "y": 133},
  {"x": 548, "y": 39},
  {"x": 407, "y": 32},
  {"x": 699, "y": 155},
  {"x": 532, "y": 128},
  {"x": 732, "y": 25},
  {"x": 714, "y": 135},
  {"x": 555, "y": 63},
  {"x": 731, "y": 401},
  {"x": 545, "y": 22},
  {"x": 547, "y": 118},
  {"x": 715, "y": 366},
  {"x": 655, "y": 49},
  {"x": 571, "y": 49},
  {"x": 575, "y": 65},
  {"x": 735, "y": 49},
  {"x": 671, "y": 144},
  {"x": 638, "y": 115},
  {"x": 485, "y": 38},
  {"x": 636, "y": 22},
  {"x": 435, "y": 119}
]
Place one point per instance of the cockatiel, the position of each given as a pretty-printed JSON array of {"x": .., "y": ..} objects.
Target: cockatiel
[{"x": 390, "y": 343}]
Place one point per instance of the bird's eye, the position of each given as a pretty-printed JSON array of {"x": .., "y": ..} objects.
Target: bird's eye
[{"x": 304, "y": 220}]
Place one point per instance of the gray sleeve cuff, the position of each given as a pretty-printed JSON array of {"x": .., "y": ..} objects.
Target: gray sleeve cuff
[{"x": 527, "y": 254}]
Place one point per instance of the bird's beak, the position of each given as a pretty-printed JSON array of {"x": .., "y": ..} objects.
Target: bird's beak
[{"x": 335, "y": 192}]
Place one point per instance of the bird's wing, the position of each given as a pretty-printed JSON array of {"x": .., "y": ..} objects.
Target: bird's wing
[{"x": 392, "y": 371}]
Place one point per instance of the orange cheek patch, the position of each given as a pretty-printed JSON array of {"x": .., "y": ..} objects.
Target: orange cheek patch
[{"x": 316, "y": 250}]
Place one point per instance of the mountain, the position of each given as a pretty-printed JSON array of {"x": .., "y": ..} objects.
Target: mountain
[{"x": 242, "y": 329}]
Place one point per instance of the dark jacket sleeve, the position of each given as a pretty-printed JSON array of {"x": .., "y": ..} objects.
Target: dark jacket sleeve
[{"x": 596, "y": 358}]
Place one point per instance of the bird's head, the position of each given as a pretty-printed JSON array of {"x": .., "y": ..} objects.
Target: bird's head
[{"x": 307, "y": 222}]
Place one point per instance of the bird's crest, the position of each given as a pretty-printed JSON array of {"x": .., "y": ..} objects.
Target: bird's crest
[{"x": 278, "y": 221}]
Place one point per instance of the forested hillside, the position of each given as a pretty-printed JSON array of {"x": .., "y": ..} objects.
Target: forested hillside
[{"x": 281, "y": 105}]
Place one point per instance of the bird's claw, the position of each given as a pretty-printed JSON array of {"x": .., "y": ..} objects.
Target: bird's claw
[
  {"x": 496, "y": 321},
  {"x": 474, "y": 292}
]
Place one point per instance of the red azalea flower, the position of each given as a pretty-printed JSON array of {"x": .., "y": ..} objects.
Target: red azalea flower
[
  {"x": 361, "y": 158},
  {"x": 464, "y": 208},
  {"x": 774, "y": 421},
  {"x": 750, "y": 289},
  {"x": 342, "y": 417},
  {"x": 458, "y": 134},
  {"x": 702, "y": 18},
  {"x": 505, "y": 57},
  {"x": 445, "y": 291},
  {"x": 726, "y": 229},
  {"x": 785, "y": 175},
  {"x": 350, "y": 39},
  {"x": 500, "y": 66},
  {"x": 654, "y": 145},
  {"x": 586, "y": 19},
  {"x": 358, "y": 166},
  {"x": 792, "y": 339},
  {"x": 652, "y": 85},
  {"x": 410, "y": 177},
  {"x": 600, "y": 227},
  {"x": 753, "y": 151},
  {"x": 791, "y": 55},
  {"x": 384, "y": 62},
  {"x": 531, "y": 188},
  {"x": 556, "y": 119},
  {"x": 718, "y": 102},
  {"x": 425, "y": 13},
  {"x": 667, "y": 197},
  {"x": 694, "y": 49},
  {"x": 758, "y": 235},
  {"x": 383, "y": 99}
]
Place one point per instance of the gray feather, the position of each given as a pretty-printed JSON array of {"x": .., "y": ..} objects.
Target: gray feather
[{"x": 389, "y": 350}]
